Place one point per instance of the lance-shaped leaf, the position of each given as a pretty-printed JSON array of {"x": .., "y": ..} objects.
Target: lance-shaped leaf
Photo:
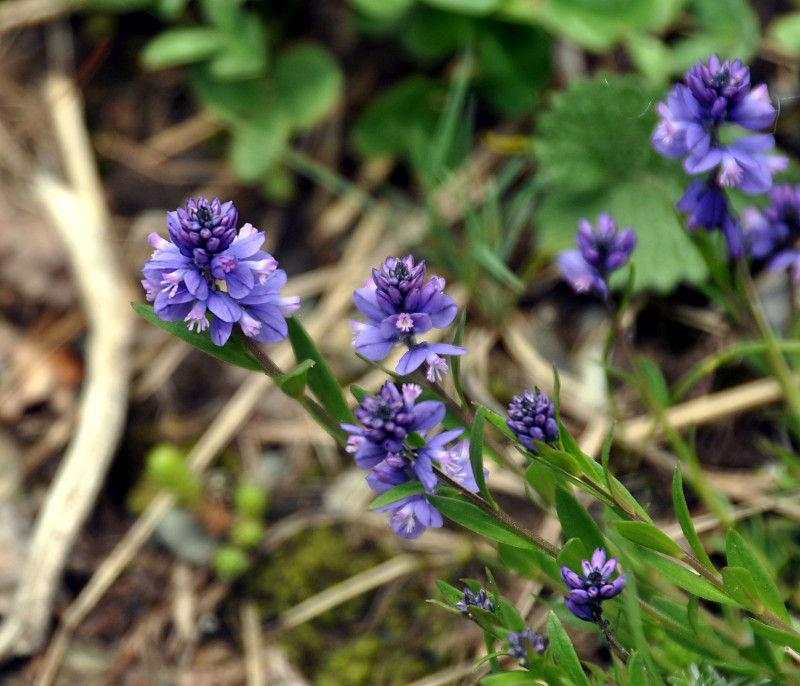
[
  {"x": 293, "y": 383},
  {"x": 321, "y": 381},
  {"x": 576, "y": 520},
  {"x": 741, "y": 587},
  {"x": 649, "y": 536},
  {"x": 233, "y": 352},
  {"x": 476, "y": 457},
  {"x": 397, "y": 493},
  {"x": 685, "y": 520},
  {"x": 564, "y": 651}
]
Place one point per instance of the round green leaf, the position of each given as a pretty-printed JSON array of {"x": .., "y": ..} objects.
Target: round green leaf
[
  {"x": 307, "y": 83},
  {"x": 181, "y": 46}
]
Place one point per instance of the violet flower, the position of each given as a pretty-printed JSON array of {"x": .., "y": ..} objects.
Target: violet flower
[
  {"x": 601, "y": 251},
  {"x": 520, "y": 643},
  {"x": 207, "y": 267},
  {"x": 532, "y": 418},
  {"x": 471, "y": 599},
  {"x": 773, "y": 233},
  {"x": 399, "y": 307},
  {"x": 587, "y": 592},
  {"x": 382, "y": 445},
  {"x": 714, "y": 96}
]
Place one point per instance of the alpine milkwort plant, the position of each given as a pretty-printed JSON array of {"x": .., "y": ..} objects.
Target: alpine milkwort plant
[
  {"x": 384, "y": 444},
  {"x": 399, "y": 306},
  {"x": 424, "y": 470},
  {"x": 715, "y": 102},
  {"x": 601, "y": 250},
  {"x": 210, "y": 267}
]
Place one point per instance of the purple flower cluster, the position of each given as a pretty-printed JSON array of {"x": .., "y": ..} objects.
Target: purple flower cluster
[
  {"x": 470, "y": 599},
  {"x": 399, "y": 307},
  {"x": 601, "y": 251},
  {"x": 532, "y": 418},
  {"x": 521, "y": 643},
  {"x": 207, "y": 266},
  {"x": 713, "y": 96},
  {"x": 384, "y": 444},
  {"x": 587, "y": 592},
  {"x": 773, "y": 234}
]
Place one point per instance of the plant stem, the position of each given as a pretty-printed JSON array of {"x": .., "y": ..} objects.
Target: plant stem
[
  {"x": 777, "y": 361},
  {"x": 499, "y": 515},
  {"x": 325, "y": 420}
]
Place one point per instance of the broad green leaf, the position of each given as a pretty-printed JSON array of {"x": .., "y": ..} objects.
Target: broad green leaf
[
  {"x": 401, "y": 120},
  {"x": 740, "y": 554},
  {"x": 476, "y": 456},
  {"x": 307, "y": 84},
  {"x": 649, "y": 536},
  {"x": 542, "y": 480},
  {"x": 245, "y": 53},
  {"x": 321, "y": 381},
  {"x": 257, "y": 146},
  {"x": 451, "y": 593},
  {"x": 498, "y": 421},
  {"x": 233, "y": 352},
  {"x": 293, "y": 383},
  {"x": 740, "y": 585},
  {"x": 572, "y": 554},
  {"x": 777, "y": 636},
  {"x": 397, "y": 493},
  {"x": 589, "y": 466},
  {"x": 564, "y": 652},
  {"x": 785, "y": 30},
  {"x": 576, "y": 521},
  {"x": 685, "y": 521},
  {"x": 684, "y": 578},
  {"x": 625, "y": 501},
  {"x": 181, "y": 46},
  {"x": 474, "y": 518}
]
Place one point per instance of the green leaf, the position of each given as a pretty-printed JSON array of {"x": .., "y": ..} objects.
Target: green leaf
[
  {"x": 572, "y": 554},
  {"x": 498, "y": 421},
  {"x": 558, "y": 458},
  {"x": 475, "y": 8},
  {"x": 321, "y": 381},
  {"x": 515, "y": 678},
  {"x": 656, "y": 380},
  {"x": 226, "y": 14},
  {"x": 685, "y": 521},
  {"x": 777, "y": 636},
  {"x": 382, "y": 10},
  {"x": 564, "y": 651},
  {"x": 245, "y": 53},
  {"x": 542, "y": 480},
  {"x": 684, "y": 578},
  {"x": 576, "y": 521},
  {"x": 233, "y": 352},
  {"x": 637, "y": 674},
  {"x": 293, "y": 383},
  {"x": 397, "y": 493},
  {"x": 401, "y": 121},
  {"x": 257, "y": 146},
  {"x": 741, "y": 587},
  {"x": 476, "y": 456},
  {"x": 530, "y": 565},
  {"x": 649, "y": 536},
  {"x": 455, "y": 360},
  {"x": 740, "y": 554},
  {"x": 181, "y": 46},
  {"x": 451, "y": 593},
  {"x": 785, "y": 30},
  {"x": 307, "y": 82},
  {"x": 474, "y": 518}
]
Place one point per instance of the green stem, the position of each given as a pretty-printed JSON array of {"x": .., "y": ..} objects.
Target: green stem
[
  {"x": 320, "y": 415},
  {"x": 499, "y": 515},
  {"x": 777, "y": 361}
]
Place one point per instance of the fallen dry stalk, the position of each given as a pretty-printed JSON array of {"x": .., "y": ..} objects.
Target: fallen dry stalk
[{"x": 78, "y": 214}]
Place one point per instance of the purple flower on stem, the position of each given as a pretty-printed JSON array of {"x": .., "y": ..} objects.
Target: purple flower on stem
[
  {"x": 587, "y": 592},
  {"x": 713, "y": 96},
  {"x": 601, "y": 251},
  {"x": 521, "y": 643},
  {"x": 208, "y": 268},
  {"x": 384, "y": 445},
  {"x": 471, "y": 599},
  {"x": 532, "y": 418},
  {"x": 399, "y": 307},
  {"x": 773, "y": 233}
]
